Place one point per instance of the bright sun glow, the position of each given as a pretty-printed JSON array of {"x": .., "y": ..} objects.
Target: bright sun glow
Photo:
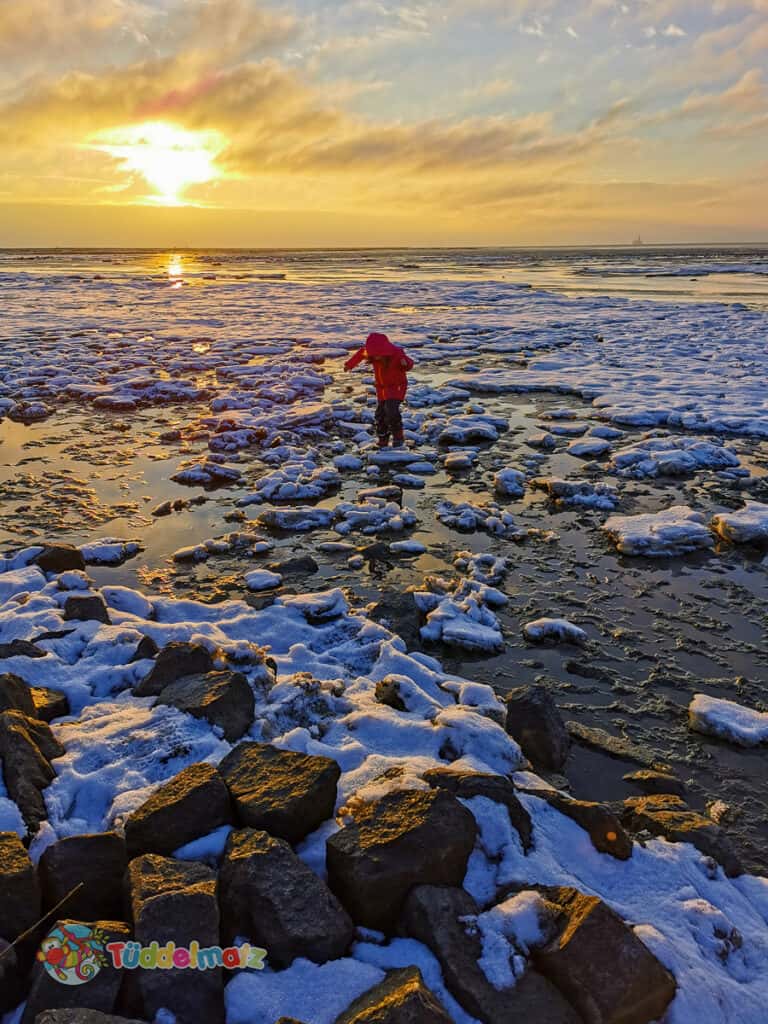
[{"x": 169, "y": 158}]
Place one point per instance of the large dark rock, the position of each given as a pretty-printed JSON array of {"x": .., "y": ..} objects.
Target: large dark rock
[
  {"x": 600, "y": 965},
  {"x": 223, "y": 698},
  {"x": 267, "y": 894},
  {"x": 534, "y": 721},
  {"x": 15, "y": 695},
  {"x": 303, "y": 565},
  {"x": 434, "y": 915},
  {"x": 669, "y": 816},
  {"x": 145, "y": 648},
  {"x": 11, "y": 978},
  {"x": 80, "y": 1016},
  {"x": 59, "y": 558},
  {"x": 99, "y": 993},
  {"x": 99, "y": 862},
  {"x": 604, "y": 828},
  {"x": 49, "y": 704},
  {"x": 27, "y": 746},
  {"x": 175, "y": 901},
  {"x": 173, "y": 662},
  {"x": 402, "y": 998},
  {"x": 498, "y": 788},
  {"x": 19, "y": 888},
  {"x": 20, "y": 649},
  {"x": 192, "y": 804},
  {"x": 410, "y": 837},
  {"x": 86, "y": 608},
  {"x": 285, "y": 793}
]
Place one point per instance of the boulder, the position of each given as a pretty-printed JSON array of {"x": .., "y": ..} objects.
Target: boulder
[
  {"x": 670, "y": 817},
  {"x": 600, "y": 965},
  {"x": 175, "y": 901},
  {"x": 19, "y": 888},
  {"x": 534, "y": 721},
  {"x": 409, "y": 837},
  {"x": 604, "y": 828},
  {"x": 303, "y": 565},
  {"x": 433, "y": 915},
  {"x": 49, "y": 704},
  {"x": 267, "y": 894},
  {"x": 388, "y": 692},
  {"x": 287, "y": 794},
  {"x": 173, "y": 662},
  {"x": 11, "y": 979},
  {"x": 223, "y": 698},
  {"x": 59, "y": 558},
  {"x": 15, "y": 695},
  {"x": 86, "y": 608},
  {"x": 191, "y": 804},
  {"x": 99, "y": 862},
  {"x": 498, "y": 788},
  {"x": 145, "y": 648},
  {"x": 100, "y": 992},
  {"x": 80, "y": 1016},
  {"x": 26, "y": 748},
  {"x": 20, "y": 649},
  {"x": 653, "y": 783},
  {"x": 402, "y": 998}
]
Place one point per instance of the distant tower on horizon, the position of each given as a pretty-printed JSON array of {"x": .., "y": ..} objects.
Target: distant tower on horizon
[{"x": 638, "y": 241}]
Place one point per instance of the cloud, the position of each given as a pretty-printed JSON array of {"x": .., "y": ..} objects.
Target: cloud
[
  {"x": 674, "y": 31},
  {"x": 572, "y": 32}
]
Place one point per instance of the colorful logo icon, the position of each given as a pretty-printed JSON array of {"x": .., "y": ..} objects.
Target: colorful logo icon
[{"x": 73, "y": 953}]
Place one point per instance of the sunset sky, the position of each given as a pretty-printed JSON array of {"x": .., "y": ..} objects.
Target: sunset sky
[{"x": 362, "y": 122}]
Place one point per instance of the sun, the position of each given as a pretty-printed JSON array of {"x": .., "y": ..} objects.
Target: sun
[{"x": 169, "y": 158}]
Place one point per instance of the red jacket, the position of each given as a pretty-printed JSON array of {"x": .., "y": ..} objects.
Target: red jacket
[{"x": 390, "y": 364}]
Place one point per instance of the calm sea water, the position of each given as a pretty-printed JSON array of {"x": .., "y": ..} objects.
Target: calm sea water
[{"x": 731, "y": 274}]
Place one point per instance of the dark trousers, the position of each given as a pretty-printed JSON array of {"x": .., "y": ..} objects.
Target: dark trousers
[{"x": 388, "y": 419}]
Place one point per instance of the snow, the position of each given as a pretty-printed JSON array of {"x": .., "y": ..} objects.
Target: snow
[
  {"x": 589, "y": 448},
  {"x": 510, "y": 483},
  {"x": 748, "y": 525},
  {"x": 728, "y": 720},
  {"x": 675, "y": 531},
  {"x": 262, "y": 579},
  {"x": 508, "y": 932},
  {"x": 556, "y": 630},
  {"x": 109, "y": 551},
  {"x": 671, "y": 456},
  {"x": 578, "y": 493}
]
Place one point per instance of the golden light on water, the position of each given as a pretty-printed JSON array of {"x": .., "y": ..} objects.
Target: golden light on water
[
  {"x": 169, "y": 158},
  {"x": 175, "y": 267}
]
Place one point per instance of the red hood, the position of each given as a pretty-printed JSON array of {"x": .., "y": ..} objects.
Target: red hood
[{"x": 379, "y": 345}]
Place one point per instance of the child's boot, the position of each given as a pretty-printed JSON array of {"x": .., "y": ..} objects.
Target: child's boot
[
  {"x": 398, "y": 441},
  {"x": 383, "y": 441}
]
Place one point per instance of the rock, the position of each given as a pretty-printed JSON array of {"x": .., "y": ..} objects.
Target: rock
[
  {"x": 669, "y": 816},
  {"x": 15, "y": 695},
  {"x": 59, "y": 558},
  {"x": 402, "y": 998},
  {"x": 269, "y": 895},
  {"x": 498, "y": 788},
  {"x": 11, "y": 980},
  {"x": 20, "y": 649},
  {"x": 600, "y": 965},
  {"x": 80, "y": 1016},
  {"x": 175, "y": 901},
  {"x": 599, "y": 821},
  {"x": 534, "y": 721},
  {"x": 654, "y": 783},
  {"x": 285, "y": 793},
  {"x": 305, "y": 565},
  {"x": 192, "y": 804},
  {"x": 49, "y": 704},
  {"x": 146, "y": 648},
  {"x": 613, "y": 746},
  {"x": 26, "y": 747},
  {"x": 388, "y": 692},
  {"x": 101, "y": 990},
  {"x": 223, "y": 698},
  {"x": 173, "y": 662},
  {"x": 20, "y": 898},
  {"x": 99, "y": 861},
  {"x": 86, "y": 608},
  {"x": 433, "y": 915},
  {"x": 409, "y": 837}
]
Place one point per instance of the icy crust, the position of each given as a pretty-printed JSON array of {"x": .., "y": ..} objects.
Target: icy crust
[
  {"x": 675, "y": 531},
  {"x": 748, "y": 525},
  {"x": 728, "y": 720},
  {"x": 712, "y": 932},
  {"x": 671, "y": 456}
]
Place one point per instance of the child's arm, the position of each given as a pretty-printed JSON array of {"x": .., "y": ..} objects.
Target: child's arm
[
  {"x": 406, "y": 362},
  {"x": 356, "y": 359}
]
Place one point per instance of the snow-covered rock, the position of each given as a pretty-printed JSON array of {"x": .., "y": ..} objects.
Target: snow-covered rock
[
  {"x": 675, "y": 531},
  {"x": 728, "y": 720},
  {"x": 555, "y": 630},
  {"x": 748, "y": 525}
]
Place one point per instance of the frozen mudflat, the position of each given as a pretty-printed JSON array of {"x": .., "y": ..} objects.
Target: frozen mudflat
[{"x": 198, "y": 442}]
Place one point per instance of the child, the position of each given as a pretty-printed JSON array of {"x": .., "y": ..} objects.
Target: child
[{"x": 390, "y": 364}]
